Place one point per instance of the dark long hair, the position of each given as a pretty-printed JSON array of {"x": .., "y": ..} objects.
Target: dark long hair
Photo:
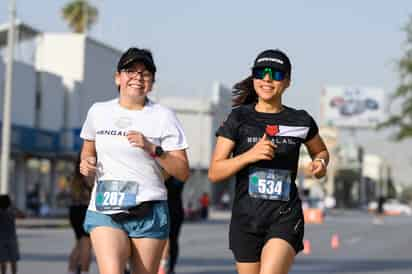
[{"x": 244, "y": 93}]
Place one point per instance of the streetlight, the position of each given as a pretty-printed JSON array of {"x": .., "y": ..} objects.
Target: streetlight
[{"x": 5, "y": 145}]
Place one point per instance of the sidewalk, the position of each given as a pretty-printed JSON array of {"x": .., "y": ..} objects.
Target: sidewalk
[
  {"x": 217, "y": 214},
  {"x": 41, "y": 222},
  {"x": 63, "y": 222}
]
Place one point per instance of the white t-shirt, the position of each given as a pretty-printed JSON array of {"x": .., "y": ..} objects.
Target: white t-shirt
[{"x": 107, "y": 123}]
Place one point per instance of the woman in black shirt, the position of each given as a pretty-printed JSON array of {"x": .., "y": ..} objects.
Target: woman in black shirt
[{"x": 259, "y": 143}]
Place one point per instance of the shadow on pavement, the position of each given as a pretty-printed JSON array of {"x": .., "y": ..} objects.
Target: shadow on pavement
[
  {"x": 43, "y": 257},
  {"x": 208, "y": 222},
  {"x": 319, "y": 265},
  {"x": 206, "y": 266},
  {"x": 185, "y": 261}
]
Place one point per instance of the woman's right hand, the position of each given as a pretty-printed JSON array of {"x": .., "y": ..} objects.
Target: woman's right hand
[
  {"x": 264, "y": 149},
  {"x": 88, "y": 166}
]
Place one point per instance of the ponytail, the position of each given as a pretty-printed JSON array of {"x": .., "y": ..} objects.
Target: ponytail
[{"x": 244, "y": 93}]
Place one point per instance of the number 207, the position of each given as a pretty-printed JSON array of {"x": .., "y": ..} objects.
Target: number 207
[{"x": 113, "y": 198}]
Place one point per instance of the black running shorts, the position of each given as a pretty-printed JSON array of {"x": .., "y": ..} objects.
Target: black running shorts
[{"x": 247, "y": 242}]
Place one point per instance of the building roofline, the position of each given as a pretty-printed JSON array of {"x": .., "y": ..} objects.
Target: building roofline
[
  {"x": 103, "y": 44},
  {"x": 24, "y": 32}
]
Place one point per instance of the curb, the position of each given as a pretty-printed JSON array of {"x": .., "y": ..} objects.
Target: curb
[{"x": 38, "y": 223}]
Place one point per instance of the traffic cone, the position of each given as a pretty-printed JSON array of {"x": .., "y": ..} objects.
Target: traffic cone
[
  {"x": 163, "y": 267},
  {"x": 306, "y": 247},
  {"x": 161, "y": 270},
  {"x": 334, "y": 241}
]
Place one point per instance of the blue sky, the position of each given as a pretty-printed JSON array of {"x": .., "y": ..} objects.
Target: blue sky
[
  {"x": 354, "y": 43},
  {"x": 346, "y": 43}
]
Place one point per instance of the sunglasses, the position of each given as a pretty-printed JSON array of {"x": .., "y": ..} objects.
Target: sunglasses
[{"x": 277, "y": 75}]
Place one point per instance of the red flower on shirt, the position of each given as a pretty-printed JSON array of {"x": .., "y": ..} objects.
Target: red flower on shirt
[{"x": 272, "y": 130}]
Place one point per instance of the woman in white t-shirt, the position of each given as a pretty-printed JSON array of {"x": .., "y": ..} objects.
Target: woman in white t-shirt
[{"x": 129, "y": 144}]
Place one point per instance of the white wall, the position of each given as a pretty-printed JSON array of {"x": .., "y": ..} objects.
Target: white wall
[
  {"x": 86, "y": 67},
  {"x": 200, "y": 118},
  {"x": 23, "y": 94},
  {"x": 197, "y": 128},
  {"x": 61, "y": 54},
  {"x": 52, "y": 96},
  {"x": 100, "y": 66},
  {"x": 75, "y": 116},
  {"x": 373, "y": 167}
]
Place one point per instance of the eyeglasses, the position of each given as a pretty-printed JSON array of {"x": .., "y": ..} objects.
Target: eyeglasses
[
  {"x": 147, "y": 75},
  {"x": 260, "y": 73}
]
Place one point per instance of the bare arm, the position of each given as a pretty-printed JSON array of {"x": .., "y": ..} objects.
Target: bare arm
[
  {"x": 222, "y": 167},
  {"x": 88, "y": 158},
  {"x": 175, "y": 164},
  {"x": 317, "y": 151}
]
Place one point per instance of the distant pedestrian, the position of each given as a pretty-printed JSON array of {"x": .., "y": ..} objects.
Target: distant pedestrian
[
  {"x": 381, "y": 203},
  {"x": 9, "y": 248},
  {"x": 380, "y": 211},
  {"x": 204, "y": 206},
  {"x": 33, "y": 199},
  {"x": 225, "y": 200},
  {"x": 176, "y": 212},
  {"x": 80, "y": 256}
]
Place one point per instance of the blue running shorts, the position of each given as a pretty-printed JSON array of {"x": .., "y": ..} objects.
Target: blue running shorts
[{"x": 155, "y": 224}]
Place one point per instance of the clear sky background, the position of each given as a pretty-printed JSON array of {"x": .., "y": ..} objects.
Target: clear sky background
[{"x": 353, "y": 42}]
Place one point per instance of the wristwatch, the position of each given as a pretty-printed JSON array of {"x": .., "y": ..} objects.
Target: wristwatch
[{"x": 158, "y": 151}]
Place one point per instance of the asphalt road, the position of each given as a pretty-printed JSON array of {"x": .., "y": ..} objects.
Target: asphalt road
[{"x": 363, "y": 247}]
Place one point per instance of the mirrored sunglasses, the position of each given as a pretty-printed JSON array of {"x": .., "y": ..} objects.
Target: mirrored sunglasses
[{"x": 277, "y": 75}]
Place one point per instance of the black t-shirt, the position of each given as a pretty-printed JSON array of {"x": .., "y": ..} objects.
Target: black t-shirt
[{"x": 288, "y": 129}]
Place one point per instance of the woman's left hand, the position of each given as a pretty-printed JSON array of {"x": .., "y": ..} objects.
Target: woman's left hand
[
  {"x": 318, "y": 168},
  {"x": 137, "y": 139}
]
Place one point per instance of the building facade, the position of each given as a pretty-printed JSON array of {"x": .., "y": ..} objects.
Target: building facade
[{"x": 56, "y": 78}]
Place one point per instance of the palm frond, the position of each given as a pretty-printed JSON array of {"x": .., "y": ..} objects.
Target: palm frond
[{"x": 76, "y": 12}]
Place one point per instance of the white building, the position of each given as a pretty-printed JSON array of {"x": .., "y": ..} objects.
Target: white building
[
  {"x": 85, "y": 66},
  {"x": 200, "y": 118},
  {"x": 56, "y": 79}
]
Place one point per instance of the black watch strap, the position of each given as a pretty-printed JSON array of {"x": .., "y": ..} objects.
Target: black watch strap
[{"x": 159, "y": 151}]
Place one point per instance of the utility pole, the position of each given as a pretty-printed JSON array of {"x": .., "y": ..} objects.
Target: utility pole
[
  {"x": 85, "y": 16},
  {"x": 5, "y": 145}
]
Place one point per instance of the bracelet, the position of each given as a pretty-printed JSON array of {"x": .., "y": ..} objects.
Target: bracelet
[{"x": 323, "y": 161}]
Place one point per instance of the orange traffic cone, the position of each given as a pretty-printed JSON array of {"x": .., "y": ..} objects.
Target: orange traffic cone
[
  {"x": 161, "y": 270},
  {"x": 334, "y": 241},
  {"x": 163, "y": 267},
  {"x": 306, "y": 247}
]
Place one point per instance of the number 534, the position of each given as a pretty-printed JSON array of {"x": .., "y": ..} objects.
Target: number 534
[{"x": 269, "y": 187}]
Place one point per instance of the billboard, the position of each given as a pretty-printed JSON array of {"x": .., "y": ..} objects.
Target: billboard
[{"x": 352, "y": 106}]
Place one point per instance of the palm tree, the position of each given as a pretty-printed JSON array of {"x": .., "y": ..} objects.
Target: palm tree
[{"x": 80, "y": 15}]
